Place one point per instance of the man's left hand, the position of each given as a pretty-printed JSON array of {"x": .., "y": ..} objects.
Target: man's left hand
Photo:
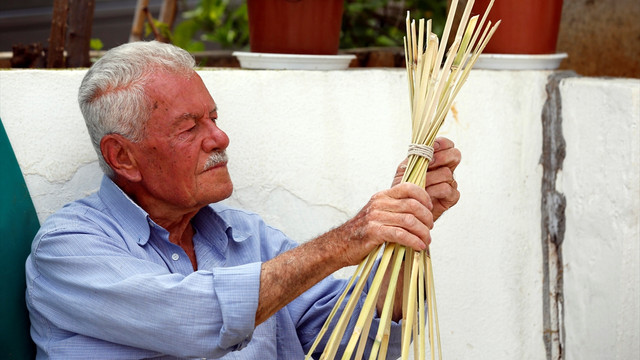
[{"x": 440, "y": 182}]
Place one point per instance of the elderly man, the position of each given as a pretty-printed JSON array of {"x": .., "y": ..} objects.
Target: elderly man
[{"x": 151, "y": 266}]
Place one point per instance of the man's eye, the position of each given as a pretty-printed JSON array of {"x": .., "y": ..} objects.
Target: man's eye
[{"x": 188, "y": 130}]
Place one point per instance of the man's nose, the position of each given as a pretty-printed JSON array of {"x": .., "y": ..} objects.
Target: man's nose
[{"x": 216, "y": 139}]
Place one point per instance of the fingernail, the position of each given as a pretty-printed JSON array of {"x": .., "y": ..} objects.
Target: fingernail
[{"x": 436, "y": 145}]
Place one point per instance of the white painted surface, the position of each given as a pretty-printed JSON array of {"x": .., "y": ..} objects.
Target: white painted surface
[
  {"x": 309, "y": 148},
  {"x": 601, "y": 250}
]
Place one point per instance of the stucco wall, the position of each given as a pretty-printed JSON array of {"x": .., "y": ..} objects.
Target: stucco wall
[
  {"x": 602, "y": 242},
  {"x": 309, "y": 148}
]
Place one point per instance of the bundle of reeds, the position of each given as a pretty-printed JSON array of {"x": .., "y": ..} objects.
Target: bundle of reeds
[{"x": 434, "y": 81}]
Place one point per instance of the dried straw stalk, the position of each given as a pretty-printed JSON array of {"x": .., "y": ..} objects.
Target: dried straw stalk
[{"x": 432, "y": 89}]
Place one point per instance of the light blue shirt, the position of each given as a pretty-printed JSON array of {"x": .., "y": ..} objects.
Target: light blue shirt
[{"x": 105, "y": 282}]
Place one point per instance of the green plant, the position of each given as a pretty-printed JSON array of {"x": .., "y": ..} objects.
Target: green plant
[
  {"x": 368, "y": 23},
  {"x": 95, "y": 44},
  {"x": 158, "y": 29},
  {"x": 215, "y": 21}
]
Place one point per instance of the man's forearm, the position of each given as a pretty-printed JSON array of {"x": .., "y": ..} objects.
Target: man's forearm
[{"x": 289, "y": 274}]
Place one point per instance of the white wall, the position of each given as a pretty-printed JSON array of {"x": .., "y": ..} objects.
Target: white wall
[
  {"x": 309, "y": 148},
  {"x": 602, "y": 243}
]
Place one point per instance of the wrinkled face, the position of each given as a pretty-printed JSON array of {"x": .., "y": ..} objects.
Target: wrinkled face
[{"x": 180, "y": 139}]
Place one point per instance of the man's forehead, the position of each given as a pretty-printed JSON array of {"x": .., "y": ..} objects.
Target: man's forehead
[
  {"x": 182, "y": 92},
  {"x": 164, "y": 81}
]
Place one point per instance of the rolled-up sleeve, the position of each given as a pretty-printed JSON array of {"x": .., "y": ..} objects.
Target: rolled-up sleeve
[{"x": 237, "y": 308}]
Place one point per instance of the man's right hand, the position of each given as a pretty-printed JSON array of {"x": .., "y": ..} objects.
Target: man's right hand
[{"x": 400, "y": 215}]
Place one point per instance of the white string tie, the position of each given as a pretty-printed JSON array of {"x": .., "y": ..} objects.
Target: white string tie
[{"x": 421, "y": 150}]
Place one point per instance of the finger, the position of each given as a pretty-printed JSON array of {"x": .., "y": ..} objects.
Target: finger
[
  {"x": 440, "y": 183},
  {"x": 439, "y": 175},
  {"x": 442, "y": 143},
  {"x": 396, "y": 228},
  {"x": 447, "y": 157},
  {"x": 382, "y": 208},
  {"x": 409, "y": 191},
  {"x": 408, "y": 239},
  {"x": 445, "y": 193},
  {"x": 410, "y": 209},
  {"x": 416, "y": 225},
  {"x": 400, "y": 172}
]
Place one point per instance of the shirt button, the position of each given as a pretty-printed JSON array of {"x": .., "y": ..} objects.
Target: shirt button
[{"x": 175, "y": 257}]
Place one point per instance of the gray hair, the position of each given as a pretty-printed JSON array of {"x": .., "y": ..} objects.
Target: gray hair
[{"x": 112, "y": 95}]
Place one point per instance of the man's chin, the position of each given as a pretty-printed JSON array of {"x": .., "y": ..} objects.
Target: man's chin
[
  {"x": 228, "y": 193},
  {"x": 219, "y": 192}
]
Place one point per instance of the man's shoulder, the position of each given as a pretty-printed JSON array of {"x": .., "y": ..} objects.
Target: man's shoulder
[
  {"x": 86, "y": 216},
  {"x": 82, "y": 210}
]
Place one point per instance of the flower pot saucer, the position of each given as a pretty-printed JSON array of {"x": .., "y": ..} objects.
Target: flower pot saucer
[
  {"x": 519, "y": 61},
  {"x": 270, "y": 61}
]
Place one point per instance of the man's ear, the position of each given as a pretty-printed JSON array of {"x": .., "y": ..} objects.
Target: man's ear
[{"x": 116, "y": 150}]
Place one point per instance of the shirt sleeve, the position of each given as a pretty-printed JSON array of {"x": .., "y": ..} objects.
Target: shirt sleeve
[{"x": 87, "y": 283}]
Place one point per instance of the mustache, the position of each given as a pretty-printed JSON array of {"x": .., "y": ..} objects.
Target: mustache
[{"x": 215, "y": 159}]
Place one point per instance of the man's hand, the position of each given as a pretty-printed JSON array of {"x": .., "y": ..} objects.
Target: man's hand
[
  {"x": 401, "y": 215},
  {"x": 440, "y": 182}
]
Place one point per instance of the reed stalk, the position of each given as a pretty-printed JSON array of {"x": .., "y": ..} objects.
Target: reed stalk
[
  {"x": 382, "y": 336},
  {"x": 433, "y": 80}
]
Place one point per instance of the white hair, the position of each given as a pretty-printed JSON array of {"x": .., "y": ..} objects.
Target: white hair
[{"x": 112, "y": 95}]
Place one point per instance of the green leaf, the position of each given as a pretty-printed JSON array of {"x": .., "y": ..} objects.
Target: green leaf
[
  {"x": 195, "y": 46},
  {"x": 96, "y": 44}
]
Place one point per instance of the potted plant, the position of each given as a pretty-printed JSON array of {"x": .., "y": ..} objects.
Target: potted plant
[
  {"x": 527, "y": 27},
  {"x": 295, "y": 26}
]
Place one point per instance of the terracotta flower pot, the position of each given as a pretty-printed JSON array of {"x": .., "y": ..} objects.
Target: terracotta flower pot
[
  {"x": 527, "y": 27},
  {"x": 295, "y": 26}
]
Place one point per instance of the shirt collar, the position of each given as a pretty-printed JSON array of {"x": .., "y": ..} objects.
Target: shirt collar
[
  {"x": 209, "y": 221},
  {"x": 133, "y": 219},
  {"x": 136, "y": 221}
]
